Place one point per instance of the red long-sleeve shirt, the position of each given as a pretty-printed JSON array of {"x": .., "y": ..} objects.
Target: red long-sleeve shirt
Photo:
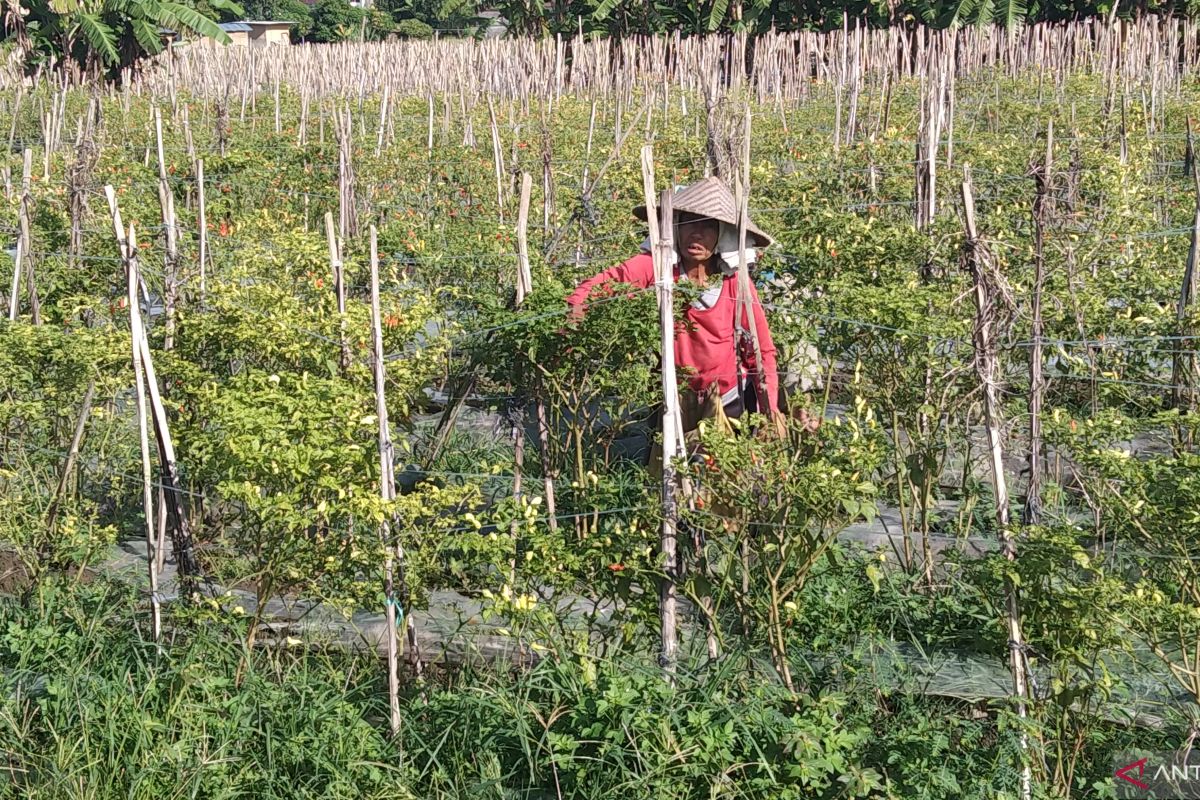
[{"x": 705, "y": 350}]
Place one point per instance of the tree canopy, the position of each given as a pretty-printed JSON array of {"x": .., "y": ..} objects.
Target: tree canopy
[{"x": 105, "y": 35}]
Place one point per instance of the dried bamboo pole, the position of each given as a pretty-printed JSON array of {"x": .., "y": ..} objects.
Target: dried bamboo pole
[
  {"x": 202, "y": 224},
  {"x": 987, "y": 370},
  {"x": 64, "y": 477},
  {"x": 79, "y": 178},
  {"x": 24, "y": 259},
  {"x": 15, "y": 289},
  {"x": 497, "y": 159},
  {"x": 166, "y": 199},
  {"x": 1044, "y": 177},
  {"x": 189, "y": 141},
  {"x": 429, "y": 132},
  {"x": 745, "y": 298},
  {"x": 524, "y": 287},
  {"x": 384, "y": 104},
  {"x": 16, "y": 115},
  {"x": 182, "y": 544},
  {"x": 1184, "y": 366},
  {"x": 339, "y": 288},
  {"x": 524, "y": 276},
  {"x": 387, "y": 492},
  {"x": 137, "y": 334},
  {"x": 662, "y": 235}
]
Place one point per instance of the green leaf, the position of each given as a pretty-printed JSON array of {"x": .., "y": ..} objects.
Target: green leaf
[
  {"x": 99, "y": 37},
  {"x": 873, "y": 575},
  {"x": 716, "y": 14},
  {"x": 228, "y": 6},
  {"x": 146, "y": 34},
  {"x": 177, "y": 15},
  {"x": 605, "y": 8},
  {"x": 1015, "y": 11}
]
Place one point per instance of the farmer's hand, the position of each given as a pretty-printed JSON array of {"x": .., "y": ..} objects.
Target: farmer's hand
[
  {"x": 573, "y": 317},
  {"x": 808, "y": 422},
  {"x": 575, "y": 313}
]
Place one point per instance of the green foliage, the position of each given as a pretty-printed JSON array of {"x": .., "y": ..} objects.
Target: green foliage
[
  {"x": 277, "y": 442},
  {"x": 45, "y": 373},
  {"x": 106, "y": 36},
  {"x": 413, "y": 29},
  {"x": 767, "y": 509},
  {"x": 627, "y": 17},
  {"x": 335, "y": 21},
  {"x": 418, "y": 19},
  {"x": 305, "y": 724},
  {"x": 1149, "y": 509},
  {"x": 299, "y": 12},
  {"x": 289, "y": 727},
  {"x": 594, "y": 372}
]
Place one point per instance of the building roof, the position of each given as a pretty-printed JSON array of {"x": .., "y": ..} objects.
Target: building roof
[{"x": 248, "y": 25}]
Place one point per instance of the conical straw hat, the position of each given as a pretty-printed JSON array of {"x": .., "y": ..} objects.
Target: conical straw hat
[{"x": 711, "y": 198}]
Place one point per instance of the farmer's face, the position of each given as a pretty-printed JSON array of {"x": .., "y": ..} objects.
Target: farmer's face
[{"x": 697, "y": 238}]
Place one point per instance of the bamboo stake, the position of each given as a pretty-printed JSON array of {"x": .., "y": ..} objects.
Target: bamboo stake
[
  {"x": 986, "y": 368},
  {"x": 387, "y": 491},
  {"x": 524, "y": 276},
  {"x": 16, "y": 114},
  {"x": 524, "y": 287},
  {"x": 383, "y": 118},
  {"x": 662, "y": 235},
  {"x": 25, "y": 251},
  {"x": 182, "y": 544},
  {"x": 429, "y": 135},
  {"x": 745, "y": 287},
  {"x": 167, "y": 203},
  {"x": 339, "y": 288},
  {"x": 547, "y": 471},
  {"x": 15, "y": 289},
  {"x": 85, "y": 408},
  {"x": 1184, "y": 366},
  {"x": 498, "y": 160},
  {"x": 137, "y": 333},
  {"x": 202, "y": 221},
  {"x": 1037, "y": 379},
  {"x": 189, "y": 141}
]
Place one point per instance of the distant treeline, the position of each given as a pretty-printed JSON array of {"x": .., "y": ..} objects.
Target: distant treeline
[
  {"x": 331, "y": 20},
  {"x": 621, "y": 17},
  {"x": 108, "y": 35}
]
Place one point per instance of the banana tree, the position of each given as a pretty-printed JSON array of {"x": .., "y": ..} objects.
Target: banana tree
[
  {"x": 106, "y": 35},
  {"x": 956, "y": 13}
]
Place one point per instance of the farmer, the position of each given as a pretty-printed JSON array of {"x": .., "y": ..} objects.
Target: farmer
[{"x": 714, "y": 349}]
